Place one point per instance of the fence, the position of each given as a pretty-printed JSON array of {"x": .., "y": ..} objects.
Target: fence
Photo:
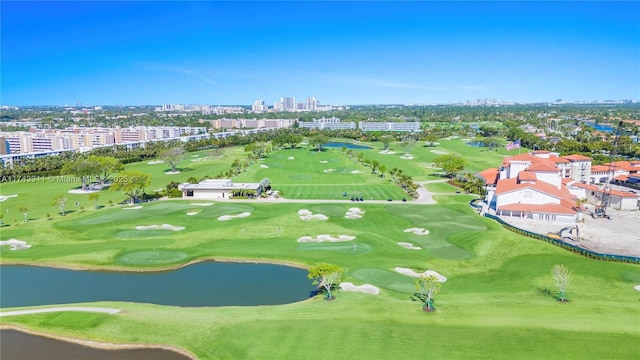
[{"x": 562, "y": 244}]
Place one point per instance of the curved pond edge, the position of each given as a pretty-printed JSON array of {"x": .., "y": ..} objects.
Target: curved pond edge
[
  {"x": 158, "y": 269},
  {"x": 98, "y": 344}
]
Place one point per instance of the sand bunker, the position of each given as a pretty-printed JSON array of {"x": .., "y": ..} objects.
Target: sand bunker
[
  {"x": 158, "y": 189},
  {"x": 365, "y": 288},
  {"x": 409, "y": 246},
  {"x": 355, "y": 172},
  {"x": 191, "y": 213},
  {"x": 354, "y": 213},
  {"x": 290, "y": 158},
  {"x": 229, "y": 217},
  {"x": 15, "y": 244},
  {"x": 637, "y": 287},
  {"x": 323, "y": 161},
  {"x": 172, "y": 172},
  {"x": 406, "y": 157},
  {"x": 326, "y": 237},
  {"x": 409, "y": 272},
  {"x": 329, "y": 170},
  {"x": 160, "y": 227},
  {"x": 439, "y": 152},
  {"x": 3, "y": 198},
  {"x": 201, "y": 204},
  {"x": 264, "y": 166},
  {"x": 308, "y": 215},
  {"x": 417, "y": 231},
  {"x": 155, "y": 162},
  {"x": 132, "y": 207},
  {"x": 80, "y": 191},
  {"x": 387, "y": 152}
]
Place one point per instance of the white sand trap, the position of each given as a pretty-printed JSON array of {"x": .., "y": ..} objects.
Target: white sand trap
[
  {"x": 387, "y": 152},
  {"x": 191, "y": 213},
  {"x": 409, "y": 246},
  {"x": 409, "y": 272},
  {"x": 406, "y": 157},
  {"x": 355, "y": 172},
  {"x": 132, "y": 207},
  {"x": 80, "y": 191},
  {"x": 290, "y": 158},
  {"x": 308, "y": 215},
  {"x": 229, "y": 217},
  {"x": 158, "y": 189},
  {"x": 3, "y": 198},
  {"x": 323, "y": 161},
  {"x": 439, "y": 152},
  {"x": 637, "y": 287},
  {"x": 365, "y": 288},
  {"x": 264, "y": 166},
  {"x": 326, "y": 237},
  {"x": 160, "y": 227},
  {"x": 201, "y": 204},
  {"x": 354, "y": 213},
  {"x": 417, "y": 231},
  {"x": 155, "y": 162},
  {"x": 329, "y": 170},
  {"x": 172, "y": 172},
  {"x": 195, "y": 155},
  {"x": 15, "y": 244}
]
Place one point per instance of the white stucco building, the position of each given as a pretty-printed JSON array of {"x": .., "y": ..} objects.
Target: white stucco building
[{"x": 212, "y": 189}]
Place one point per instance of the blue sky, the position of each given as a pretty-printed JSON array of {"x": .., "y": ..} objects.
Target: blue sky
[{"x": 145, "y": 52}]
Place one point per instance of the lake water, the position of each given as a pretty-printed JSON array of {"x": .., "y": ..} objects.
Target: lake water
[
  {"x": 16, "y": 345},
  {"x": 347, "y": 145},
  {"x": 200, "y": 284},
  {"x": 476, "y": 144}
]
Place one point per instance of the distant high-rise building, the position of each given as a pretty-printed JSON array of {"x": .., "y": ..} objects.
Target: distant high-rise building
[
  {"x": 259, "y": 106},
  {"x": 311, "y": 104},
  {"x": 288, "y": 103}
]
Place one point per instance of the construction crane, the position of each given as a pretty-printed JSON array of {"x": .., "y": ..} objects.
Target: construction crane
[{"x": 601, "y": 209}]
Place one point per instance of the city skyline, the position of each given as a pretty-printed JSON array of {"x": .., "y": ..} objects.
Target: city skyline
[{"x": 133, "y": 53}]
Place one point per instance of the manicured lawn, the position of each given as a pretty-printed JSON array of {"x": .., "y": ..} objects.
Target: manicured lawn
[{"x": 492, "y": 306}]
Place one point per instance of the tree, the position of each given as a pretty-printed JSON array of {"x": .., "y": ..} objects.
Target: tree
[
  {"x": 386, "y": 140},
  {"x": 562, "y": 277},
  {"x": 84, "y": 168},
  {"x": 60, "y": 202},
  {"x": 94, "y": 197},
  {"x": 325, "y": 276},
  {"x": 172, "y": 156},
  {"x": 107, "y": 166},
  {"x": 382, "y": 169},
  {"x": 407, "y": 144},
  {"x": 260, "y": 149},
  {"x": 426, "y": 288},
  {"x": 430, "y": 137},
  {"x": 132, "y": 183},
  {"x": 450, "y": 163},
  {"x": 318, "y": 140}
]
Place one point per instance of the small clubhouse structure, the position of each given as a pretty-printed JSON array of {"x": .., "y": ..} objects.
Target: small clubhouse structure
[{"x": 212, "y": 189}]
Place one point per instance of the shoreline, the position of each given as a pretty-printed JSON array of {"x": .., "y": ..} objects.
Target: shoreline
[{"x": 97, "y": 344}]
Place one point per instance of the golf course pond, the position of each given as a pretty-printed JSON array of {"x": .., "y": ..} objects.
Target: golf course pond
[
  {"x": 201, "y": 284},
  {"x": 17, "y": 345},
  {"x": 347, "y": 145}
]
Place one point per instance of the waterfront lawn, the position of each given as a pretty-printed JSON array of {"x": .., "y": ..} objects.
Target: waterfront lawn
[{"x": 493, "y": 305}]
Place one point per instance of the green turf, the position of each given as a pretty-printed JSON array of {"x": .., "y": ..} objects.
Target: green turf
[{"x": 492, "y": 306}]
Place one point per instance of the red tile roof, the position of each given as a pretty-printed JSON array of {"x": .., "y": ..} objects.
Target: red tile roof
[
  {"x": 601, "y": 168},
  {"x": 527, "y": 176},
  {"x": 576, "y": 157},
  {"x": 509, "y": 185},
  {"x": 490, "y": 175},
  {"x": 542, "y": 167}
]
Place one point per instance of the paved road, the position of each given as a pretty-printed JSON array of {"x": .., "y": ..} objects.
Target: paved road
[{"x": 59, "y": 309}]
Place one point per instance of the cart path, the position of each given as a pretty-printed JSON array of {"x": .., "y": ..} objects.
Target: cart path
[{"x": 110, "y": 311}]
